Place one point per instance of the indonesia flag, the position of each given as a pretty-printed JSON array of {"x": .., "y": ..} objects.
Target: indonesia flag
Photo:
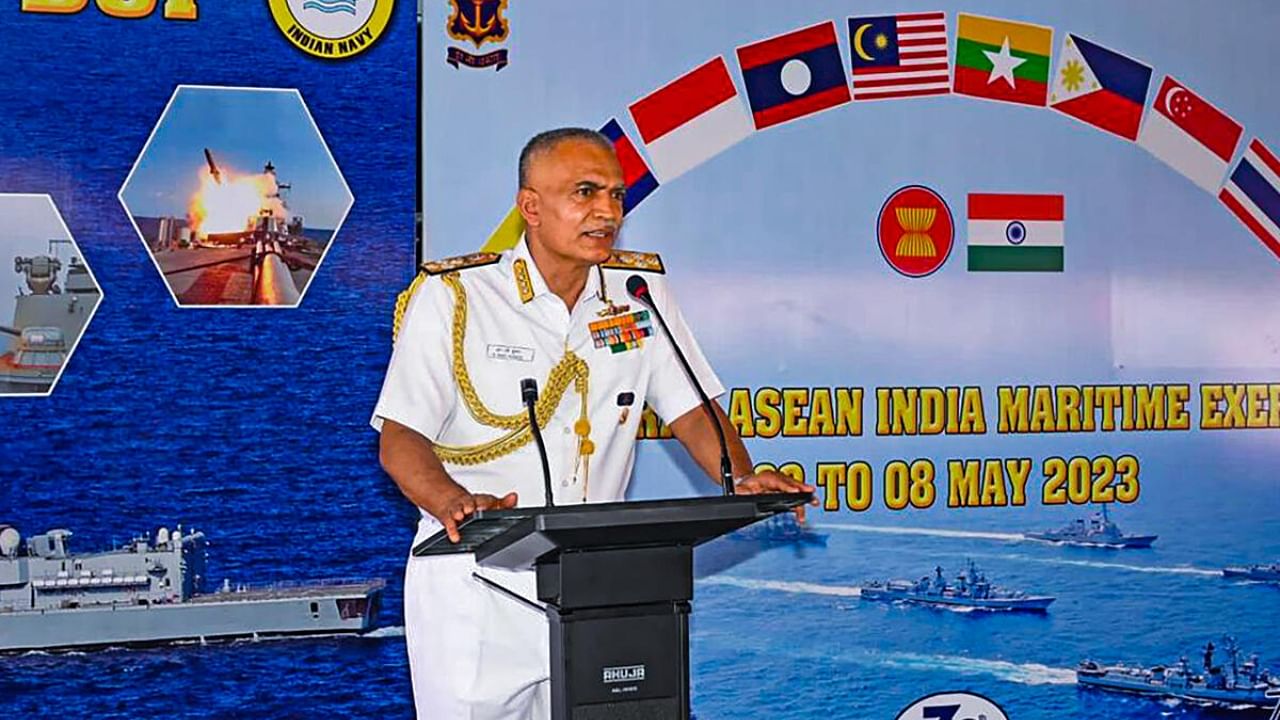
[
  {"x": 639, "y": 179},
  {"x": 1100, "y": 87},
  {"x": 897, "y": 56},
  {"x": 793, "y": 75},
  {"x": 691, "y": 120},
  {"x": 1190, "y": 135},
  {"x": 1252, "y": 194}
]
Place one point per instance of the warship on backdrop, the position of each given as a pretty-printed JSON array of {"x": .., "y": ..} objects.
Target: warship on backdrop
[
  {"x": 48, "y": 318},
  {"x": 781, "y": 529},
  {"x": 153, "y": 593},
  {"x": 1238, "y": 685},
  {"x": 971, "y": 590},
  {"x": 1097, "y": 531},
  {"x": 1268, "y": 573}
]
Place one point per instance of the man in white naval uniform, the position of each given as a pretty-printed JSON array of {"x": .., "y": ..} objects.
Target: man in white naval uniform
[{"x": 454, "y": 433}]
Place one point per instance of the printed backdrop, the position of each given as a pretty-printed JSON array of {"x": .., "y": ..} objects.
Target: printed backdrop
[
  {"x": 834, "y": 189},
  {"x": 976, "y": 270}
]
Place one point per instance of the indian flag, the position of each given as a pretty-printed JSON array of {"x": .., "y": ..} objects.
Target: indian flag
[
  {"x": 1002, "y": 60},
  {"x": 1016, "y": 232}
]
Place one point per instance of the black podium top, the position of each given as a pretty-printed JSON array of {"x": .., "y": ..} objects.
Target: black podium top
[{"x": 519, "y": 537}]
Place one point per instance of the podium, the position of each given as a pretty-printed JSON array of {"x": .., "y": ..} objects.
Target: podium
[{"x": 616, "y": 580}]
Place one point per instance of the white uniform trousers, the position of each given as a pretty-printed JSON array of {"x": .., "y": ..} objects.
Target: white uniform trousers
[{"x": 474, "y": 653}]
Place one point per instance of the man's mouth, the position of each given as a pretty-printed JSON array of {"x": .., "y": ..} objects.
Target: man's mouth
[{"x": 602, "y": 234}]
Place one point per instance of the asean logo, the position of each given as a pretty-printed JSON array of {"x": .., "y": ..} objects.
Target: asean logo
[
  {"x": 916, "y": 231},
  {"x": 332, "y": 29}
]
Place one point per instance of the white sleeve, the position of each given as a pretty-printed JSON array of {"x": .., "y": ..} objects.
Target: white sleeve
[
  {"x": 671, "y": 394},
  {"x": 418, "y": 391}
]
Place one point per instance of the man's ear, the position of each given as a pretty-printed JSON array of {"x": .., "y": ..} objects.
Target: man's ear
[{"x": 527, "y": 203}]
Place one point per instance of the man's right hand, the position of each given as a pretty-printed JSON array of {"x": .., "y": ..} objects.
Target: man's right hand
[{"x": 461, "y": 505}]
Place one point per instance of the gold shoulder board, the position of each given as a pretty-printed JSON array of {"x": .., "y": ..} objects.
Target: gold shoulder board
[
  {"x": 634, "y": 260},
  {"x": 461, "y": 262}
]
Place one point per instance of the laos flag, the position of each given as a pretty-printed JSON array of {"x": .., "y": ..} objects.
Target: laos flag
[
  {"x": 1100, "y": 87},
  {"x": 792, "y": 75}
]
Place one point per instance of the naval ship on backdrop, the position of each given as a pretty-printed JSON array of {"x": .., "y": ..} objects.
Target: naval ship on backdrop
[
  {"x": 781, "y": 529},
  {"x": 971, "y": 590},
  {"x": 1268, "y": 573},
  {"x": 149, "y": 593},
  {"x": 1098, "y": 531},
  {"x": 48, "y": 319},
  {"x": 1240, "y": 685}
]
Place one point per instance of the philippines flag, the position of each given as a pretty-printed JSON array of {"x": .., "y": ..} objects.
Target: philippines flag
[
  {"x": 1252, "y": 194},
  {"x": 793, "y": 75},
  {"x": 898, "y": 56},
  {"x": 1100, "y": 87},
  {"x": 691, "y": 119},
  {"x": 1190, "y": 135},
  {"x": 635, "y": 173}
]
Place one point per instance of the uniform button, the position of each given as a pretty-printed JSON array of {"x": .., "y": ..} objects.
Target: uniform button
[
  {"x": 567, "y": 431},
  {"x": 564, "y": 483}
]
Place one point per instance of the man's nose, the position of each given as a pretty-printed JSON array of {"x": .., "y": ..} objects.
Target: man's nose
[{"x": 607, "y": 207}]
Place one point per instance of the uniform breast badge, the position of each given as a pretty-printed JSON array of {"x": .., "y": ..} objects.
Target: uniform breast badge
[{"x": 621, "y": 332}]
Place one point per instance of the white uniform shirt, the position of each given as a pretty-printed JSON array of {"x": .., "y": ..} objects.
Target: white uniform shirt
[{"x": 508, "y": 339}]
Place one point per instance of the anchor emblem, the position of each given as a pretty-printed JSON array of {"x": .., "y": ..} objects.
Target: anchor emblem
[{"x": 482, "y": 22}]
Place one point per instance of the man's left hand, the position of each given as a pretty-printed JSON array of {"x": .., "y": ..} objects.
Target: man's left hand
[{"x": 770, "y": 481}]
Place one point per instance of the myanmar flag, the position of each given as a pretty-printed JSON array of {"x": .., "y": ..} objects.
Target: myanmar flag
[
  {"x": 1002, "y": 60},
  {"x": 1016, "y": 232}
]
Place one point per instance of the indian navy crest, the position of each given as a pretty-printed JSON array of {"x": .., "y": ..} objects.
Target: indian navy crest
[
  {"x": 332, "y": 29},
  {"x": 480, "y": 22}
]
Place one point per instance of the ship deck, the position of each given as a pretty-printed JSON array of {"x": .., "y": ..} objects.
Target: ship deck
[{"x": 289, "y": 590}]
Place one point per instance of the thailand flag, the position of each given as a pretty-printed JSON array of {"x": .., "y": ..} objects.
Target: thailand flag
[
  {"x": 793, "y": 75},
  {"x": 635, "y": 173},
  {"x": 1252, "y": 194},
  {"x": 1101, "y": 87},
  {"x": 1190, "y": 135},
  {"x": 691, "y": 119}
]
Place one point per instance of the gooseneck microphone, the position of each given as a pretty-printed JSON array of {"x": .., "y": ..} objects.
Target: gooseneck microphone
[
  {"x": 638, "y": 287},
  {"x": 529, "y": 394}
]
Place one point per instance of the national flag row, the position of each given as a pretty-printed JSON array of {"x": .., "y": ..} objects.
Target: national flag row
[{"x": 700, "y": 114}]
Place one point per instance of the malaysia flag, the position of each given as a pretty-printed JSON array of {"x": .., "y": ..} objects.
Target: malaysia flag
[
  {"x": 635, "y": 173},
  {"x": 1252, "y": 194},
  {"x": 1190, "y": 135},
  {"x": 1101, "y": 87},
  {"x": 792, "y": 75},
  {"x": 691, "y": 119},
  {"x": 897, "y": 56}
]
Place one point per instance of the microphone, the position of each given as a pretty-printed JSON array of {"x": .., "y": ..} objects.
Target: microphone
[
  {"x": 638, "y": 287},
  {"x": 529, "y": 394}
]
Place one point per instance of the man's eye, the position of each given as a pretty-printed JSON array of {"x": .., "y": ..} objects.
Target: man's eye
[
  {"x": 584, "y": 192},
  {"x": 619, "y": 195}
]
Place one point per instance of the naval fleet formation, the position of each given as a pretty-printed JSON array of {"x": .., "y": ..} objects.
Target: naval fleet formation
[{"x": 1224, "y": 678}]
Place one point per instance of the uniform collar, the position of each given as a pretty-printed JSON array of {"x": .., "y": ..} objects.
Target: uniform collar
[{"x": 528, "y": 285}]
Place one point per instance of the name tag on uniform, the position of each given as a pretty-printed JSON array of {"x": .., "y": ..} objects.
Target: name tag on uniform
[
  {"x": 510, "y": 352},
  {"x": 621, "y": 333}
]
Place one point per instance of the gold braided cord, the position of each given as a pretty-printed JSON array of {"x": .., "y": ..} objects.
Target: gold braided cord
[
  {"x": 402, "y": 304},
  {"x": 570, "y": 370}
]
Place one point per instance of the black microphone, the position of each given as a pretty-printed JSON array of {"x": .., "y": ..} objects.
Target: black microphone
[
  {"x": 638, "y": 287},
  {"x": 529, "y": 394}
]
